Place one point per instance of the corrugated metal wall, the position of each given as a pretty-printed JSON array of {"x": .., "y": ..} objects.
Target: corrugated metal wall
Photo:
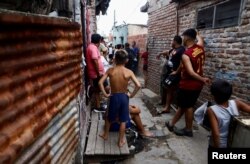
[{"x": 40, "y": 78}]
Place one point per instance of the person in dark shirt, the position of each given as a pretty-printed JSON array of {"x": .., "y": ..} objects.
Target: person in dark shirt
[
  {"x": 144, "y": 56},
  {"x": 137, "y": 55},
  {"x": 191, "y": 82},
  {"x": 170, "y": 68},
  {"x": 131, "y": 56}
]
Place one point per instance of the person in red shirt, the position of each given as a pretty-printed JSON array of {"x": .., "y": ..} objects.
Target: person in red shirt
[
  {"x": 191, "y": 83},
  {"x": 144, "y": 56}
]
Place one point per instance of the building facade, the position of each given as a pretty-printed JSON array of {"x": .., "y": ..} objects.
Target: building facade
[
  {"x": 123, "y": 33},
  {"x": 223, "y": 24},
  {"x": 120, "y": 34}
]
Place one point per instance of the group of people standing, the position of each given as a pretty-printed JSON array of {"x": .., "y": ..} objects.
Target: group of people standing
[
  {"x": 109, "y": 71},
  {"x": 100, "y": 58},
  {"x": 183, "y": 70},
  {"x": 183, "y": 73}
]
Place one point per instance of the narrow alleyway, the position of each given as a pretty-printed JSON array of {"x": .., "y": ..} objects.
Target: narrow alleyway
[
  {"x": 170, "y": 148},
  {"x": 49, "y": 79}
]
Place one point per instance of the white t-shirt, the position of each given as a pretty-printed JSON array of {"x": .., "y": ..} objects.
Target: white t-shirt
[
  {"x": 110, "y": 50},
  {"x": 105, "y": 63}
]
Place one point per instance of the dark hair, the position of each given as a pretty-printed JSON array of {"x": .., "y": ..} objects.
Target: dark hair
[
  {"x": 121, "y": 57},
  {"x": 102, "y": 38},
  {"x": 190, "y": 33},
  {"x": 95, "y": 38},
  {"x": 221, "y": 90},
  {"x": 118, "y": 46},
  {"x": 127, "y": 45},
  {"x": 178, "y": 39}
]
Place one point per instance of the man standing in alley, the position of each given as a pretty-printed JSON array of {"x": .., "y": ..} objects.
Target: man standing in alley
[
  {"x": 131, "y": 56},
  {"x": 191, "y": 83},
  {"x": 169, "y": 69},
  {"x": 95, "y": 68},
  {"x": 137, "y": 53},
  {"x": 111, "y": 52}
]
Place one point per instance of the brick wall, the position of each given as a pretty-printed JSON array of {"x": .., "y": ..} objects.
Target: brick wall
[
  {"x": 141, "y": 41},
  {"x": 92, "y": 16},
  {"x": 227, "y": 49},
  {"x": 161, "y": 29}
]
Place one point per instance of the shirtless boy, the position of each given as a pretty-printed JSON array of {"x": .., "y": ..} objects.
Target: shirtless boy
[{"x": 119, "y": 77}]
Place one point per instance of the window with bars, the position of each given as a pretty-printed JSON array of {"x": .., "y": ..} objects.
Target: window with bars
[{"x": 225, "y": 14}]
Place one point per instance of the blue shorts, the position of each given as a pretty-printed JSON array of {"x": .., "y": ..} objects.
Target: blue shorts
[
  {"x": 115, "y": 126},
  {"x": 118, "y": 108}
]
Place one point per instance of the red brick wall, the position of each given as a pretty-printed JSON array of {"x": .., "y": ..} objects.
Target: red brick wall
[
  {"x": 161, "y": 29},
  {"x": 227, "y": 49},
  {"x": 141, "y": 41}
]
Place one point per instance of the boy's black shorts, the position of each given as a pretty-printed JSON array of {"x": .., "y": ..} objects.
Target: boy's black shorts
[{"x": 187, "y": 98}]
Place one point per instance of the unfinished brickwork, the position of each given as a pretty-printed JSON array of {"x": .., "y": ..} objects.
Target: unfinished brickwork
[{"x": 227, "y": 49}]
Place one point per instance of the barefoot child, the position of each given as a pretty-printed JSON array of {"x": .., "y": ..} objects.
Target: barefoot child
[{"x": 119, "y": 77}]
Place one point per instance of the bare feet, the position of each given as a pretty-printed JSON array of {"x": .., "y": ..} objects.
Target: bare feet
[
  {"x": 147, "y": 134},
  {"x": 121, "y": 143},
  {"x": 104, "y": 136}
]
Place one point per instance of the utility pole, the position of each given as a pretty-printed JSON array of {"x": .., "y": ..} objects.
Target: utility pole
[
  {"x": 114, "y": 19},
  {"x": 113, "y": 29}
]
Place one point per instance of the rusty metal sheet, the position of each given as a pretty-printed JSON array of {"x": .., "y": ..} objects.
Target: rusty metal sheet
[
  {"x": 20, "y": 18},
  {"x": 40, "y": 79}
]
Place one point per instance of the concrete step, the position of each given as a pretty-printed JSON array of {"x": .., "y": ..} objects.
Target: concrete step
[
  {"x": 149, "y": 94},
  {"x": 152, "y": 99}
]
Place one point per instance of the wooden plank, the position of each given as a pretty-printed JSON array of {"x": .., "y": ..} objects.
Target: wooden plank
[
  {"x": 107, "y": 146},
  {"x": 114, "y": 143},
  {"x": 94, "y": 116},
  {"x": 90, "y": 150},
  {"x": 99, "y": 147},
  {"x": 124, "y": 149}
]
